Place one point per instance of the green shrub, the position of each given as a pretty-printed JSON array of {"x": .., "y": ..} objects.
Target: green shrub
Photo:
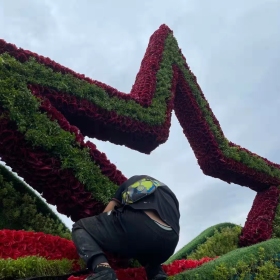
[
  {"x": 260, "y": 260},
  {"x": 267, "y": 271},
  {"x": 276, "y": 222},
  {"x": 22, "y": 209},
  {"x": 218, "y": 244},
  {"x": 200, "y": 239},
  {"x": 33, "y": 266}
]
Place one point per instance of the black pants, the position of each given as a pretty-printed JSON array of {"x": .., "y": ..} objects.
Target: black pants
[{"x": 126, "y": 232}]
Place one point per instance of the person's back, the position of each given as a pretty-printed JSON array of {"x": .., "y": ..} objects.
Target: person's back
[
  {"x": 146, "y": 229},
  {"x": 163, "y": 202}
]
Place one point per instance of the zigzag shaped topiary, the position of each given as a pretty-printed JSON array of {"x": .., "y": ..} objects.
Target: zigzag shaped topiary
[{"x": 45, "y": 109}]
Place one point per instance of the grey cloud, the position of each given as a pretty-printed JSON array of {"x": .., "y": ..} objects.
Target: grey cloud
[{"x": 29, "y": 21}]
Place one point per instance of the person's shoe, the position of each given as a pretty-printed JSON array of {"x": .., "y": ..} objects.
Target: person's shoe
[{"x": 104, "y": 274}]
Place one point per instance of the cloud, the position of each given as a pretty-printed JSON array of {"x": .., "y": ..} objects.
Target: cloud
[
  {"x": 30, "y": 22},
  {"x": 233, "y": 49}
]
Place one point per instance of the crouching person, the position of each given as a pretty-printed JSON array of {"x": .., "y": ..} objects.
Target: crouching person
[{"x": 140, "y": 222}]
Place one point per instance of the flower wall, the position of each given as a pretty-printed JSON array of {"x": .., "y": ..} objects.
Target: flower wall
[{"x": 46, "y": 110}]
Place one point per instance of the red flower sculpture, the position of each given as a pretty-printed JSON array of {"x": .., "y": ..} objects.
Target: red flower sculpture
[
  {"x": 39, "y": 99},
  {"x": 259, "y": 224}
]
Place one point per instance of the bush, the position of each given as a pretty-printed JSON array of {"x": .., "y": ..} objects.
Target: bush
[
  {"x": 260, "y": 261},
  {"x": 200, "y": 239},
  {"x": 33, "y": 266},
  {"x": 20, "y": 210},
  {"x": 218, "y": 244}
]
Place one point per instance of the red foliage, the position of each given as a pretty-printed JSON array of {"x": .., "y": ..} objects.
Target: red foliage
[
  {"x": 44, "y": 173},
  {"x": 144, "y": 86},
  {"x": 106, "y": 125},
  {"x": 139, "y": 273},
  {"x": 107, "y": 168},
  {"x": 99, "y": 123},
  {"x": 259, "y": 224},
  {"x": 15, "y": 244}
]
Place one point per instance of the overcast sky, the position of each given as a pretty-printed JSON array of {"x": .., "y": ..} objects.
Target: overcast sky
[{"x": 231, "y": 46}]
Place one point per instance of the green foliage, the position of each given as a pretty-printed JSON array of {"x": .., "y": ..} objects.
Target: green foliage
[
  {"x": 200, "y": 239},
  {"x": 19, "y": 209},
  {"x": 253, "y": 161},
  {"x": 268, "y": 270},
  {"x": 219, "y": 244},
  {"x": 35, "y": 73},
  {"x": 261, "y": 269},
  {"x": 33, "y": 266},
  {"x": 276, "y": 221},
  {"x": 16, "y": 75},
  {"x": 38, "y": 129},
  {"x": 243, "y": 263},
  {"x": 134, "y": 263}
]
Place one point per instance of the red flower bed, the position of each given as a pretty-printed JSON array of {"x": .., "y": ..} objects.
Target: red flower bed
[
  {"x": 15, "y": 244},
  {"x": 259, "y": 224},
  {"x": 139, "y": 273}
]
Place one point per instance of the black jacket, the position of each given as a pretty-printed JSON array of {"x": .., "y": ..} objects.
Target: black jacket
[{"x": 163, "y": 201}]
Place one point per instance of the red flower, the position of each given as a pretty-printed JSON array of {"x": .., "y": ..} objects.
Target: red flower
[
  {"x": 259, "y": 224},
  {"x": 43, "y": 171},
  {"x": 139, "y": 273},
  {"x": 23, "y": 243}
]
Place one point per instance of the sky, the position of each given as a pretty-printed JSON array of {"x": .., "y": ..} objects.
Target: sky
[{"x": 231, "y": 46}]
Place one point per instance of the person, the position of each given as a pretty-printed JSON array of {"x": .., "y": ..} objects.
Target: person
[{"x": 141, "y": 221}]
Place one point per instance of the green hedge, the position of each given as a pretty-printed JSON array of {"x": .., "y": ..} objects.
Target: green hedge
[
  {"x": 200, "y": 239},
  {"x": 219, "y": 244},
  {"x": 276, "y": 221},
  {"x": 21, "y": 208},
  {"x": 40, "y": 131},
  {"x": 34, "y": 266},
  {"x": 15, "y": 97},
  {"x": 260, "y": 261}
]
